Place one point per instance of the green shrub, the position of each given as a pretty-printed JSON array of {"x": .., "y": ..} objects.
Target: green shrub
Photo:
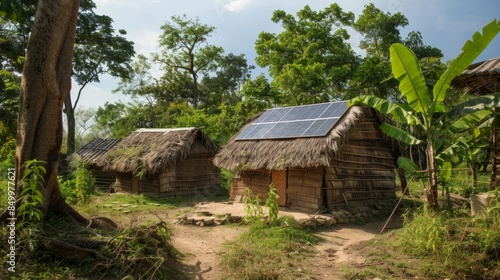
[
  {"x": 78, "y": 186},
  {"x": 227, "y": 178},
  {"x": 451, "y": 244}
]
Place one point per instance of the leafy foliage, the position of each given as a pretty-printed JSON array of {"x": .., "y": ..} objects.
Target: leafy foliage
[
  {"x": 310, "y": 60},
  {"x": 78, "y": 186},
  {"x": 464, "y": 247},
  {"x": 30, "y": 195},
  {"x": 253, "y": 208},
  {"x": 272, "y": 205}
]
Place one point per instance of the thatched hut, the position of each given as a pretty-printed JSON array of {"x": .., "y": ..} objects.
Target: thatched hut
[
  {"x": 483, "y": 78},
  {"x": 89, "y": 154},
  {"x": 349, "y": 160},
  {"x": 164, "y": 162}
]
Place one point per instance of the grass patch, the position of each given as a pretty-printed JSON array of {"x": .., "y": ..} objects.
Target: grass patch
[
  {"x": 269, "y": 252},
  {"x": 118, "y": 204},
  {"x": 446, "y": 245}
]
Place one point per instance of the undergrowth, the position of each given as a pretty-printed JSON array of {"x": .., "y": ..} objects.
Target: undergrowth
[
  {"x": 134, "y": 252},
  {"x": 451, "y": 244}
]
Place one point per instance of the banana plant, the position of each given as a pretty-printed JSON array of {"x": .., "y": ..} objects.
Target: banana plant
[
  {"x": 425, "y": 110},
  {"x": 470, "y": 149}
]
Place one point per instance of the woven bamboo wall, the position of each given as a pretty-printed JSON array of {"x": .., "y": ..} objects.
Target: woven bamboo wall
[
  {"x": 304, "y": 189},
  {"x": 196, "y": 175},
  {"x": 123, "y": 183},
  {"x": 103, "y": 180},
  {"x": 258, "y": 180},
  {"x": 363, "y": 168}
]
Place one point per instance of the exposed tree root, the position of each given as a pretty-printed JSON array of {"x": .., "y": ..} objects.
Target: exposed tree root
[{"x": 74, "y": 249}]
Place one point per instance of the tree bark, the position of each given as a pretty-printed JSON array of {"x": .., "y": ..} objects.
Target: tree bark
[
  {"x": 45, "y": 83},
  {"x": 70, "y": 119}
]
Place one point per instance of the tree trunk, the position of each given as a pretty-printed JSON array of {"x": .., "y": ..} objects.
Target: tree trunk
[
  {"x": 70, "y": 119},
  {"x": 45, "y": 83},
  {"x": 432, "y": 192}
]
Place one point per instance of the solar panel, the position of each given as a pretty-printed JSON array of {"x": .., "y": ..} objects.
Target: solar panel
[{"x": 294, "y": 122}]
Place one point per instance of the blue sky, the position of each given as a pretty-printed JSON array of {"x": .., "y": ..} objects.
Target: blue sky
[{"x": 445, "y": 24}]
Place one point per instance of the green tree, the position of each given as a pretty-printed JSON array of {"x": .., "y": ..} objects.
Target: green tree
[
  {"x": 225, "y": 84},
  {"x": 184, "y": 49},
  {"x": 425, "y": 110},
  {"x": 415, "y": 42},
  {"x": 380, "y": 30},
  {"x": 98, "y": 50},
  {"x": 310, "y": 60},
  {"x": 260, "y": 94}
]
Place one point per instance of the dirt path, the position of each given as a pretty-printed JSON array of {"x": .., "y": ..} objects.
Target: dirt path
[
  {"x": 333, "y": 252},
  {"x": 202, "y": 245}
]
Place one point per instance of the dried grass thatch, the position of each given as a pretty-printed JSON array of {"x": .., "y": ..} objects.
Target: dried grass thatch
[
  {"x": 275, "y": 154},
  {"x": 480, "y": 78},
  {"x": 154, "y": 150}
]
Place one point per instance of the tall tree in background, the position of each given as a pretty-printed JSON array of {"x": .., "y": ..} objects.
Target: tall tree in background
[
  {"x": 379, "y": 30},
  {"x": 224, "y": 85},
  {"x": 310, "y": 60},
  {"x": 415, "y": 42},
  {"x": 184, "y": 49},
  {"x": 98, "y": 50}
]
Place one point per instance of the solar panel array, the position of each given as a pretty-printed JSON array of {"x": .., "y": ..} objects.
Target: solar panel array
[{"x": 295, "y": 122}]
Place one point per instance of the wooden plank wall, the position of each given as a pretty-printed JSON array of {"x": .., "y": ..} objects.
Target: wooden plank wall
[
  {"x": 304, "y": 189},
  {"x": 257, "y": 180}
]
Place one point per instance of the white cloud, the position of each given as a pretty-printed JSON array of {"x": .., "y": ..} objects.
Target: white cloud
[{"x": 236, "y": 5}]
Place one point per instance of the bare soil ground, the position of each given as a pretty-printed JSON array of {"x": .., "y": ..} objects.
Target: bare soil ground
[{"x": 201, "y": 246}]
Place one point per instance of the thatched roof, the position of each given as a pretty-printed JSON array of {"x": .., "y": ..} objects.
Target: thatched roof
[
  {"x": 91, "y": 151},
  {"x": 154, "y": 150},
  {"x": 288, "y": 153},
  {"x": 480, "y": 78}
]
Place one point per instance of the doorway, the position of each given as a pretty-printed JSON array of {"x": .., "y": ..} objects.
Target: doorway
[{"x": 279, "y": 181}]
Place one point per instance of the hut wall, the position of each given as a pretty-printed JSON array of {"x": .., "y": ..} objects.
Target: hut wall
[
  {"x": 103, "y": 180},
  {"x": 363, "y": 168},
  {"x": 304, "y": 192},
  {"x": 150, "y": 185},
  {"x": 127, "y": 183},
  {"x": 195, "y": 175},
  {"x": 257, "y": 180},
  {"x": 123, "y": 183}
]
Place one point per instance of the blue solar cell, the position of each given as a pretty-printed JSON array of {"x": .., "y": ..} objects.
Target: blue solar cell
[
  {"x": 315, "y": 111},
  {"x": 288, "y": 129},
  {"x": 264, "y": 115},
  {"x": 320, "y": 127},
  {"x": 256, "y": 131},
  {"x": 276, "y": 115},
  {"x": 336, "y": 109},
  {"x": 295, "y": 113},
  {"x": 244, "y": 134}
]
